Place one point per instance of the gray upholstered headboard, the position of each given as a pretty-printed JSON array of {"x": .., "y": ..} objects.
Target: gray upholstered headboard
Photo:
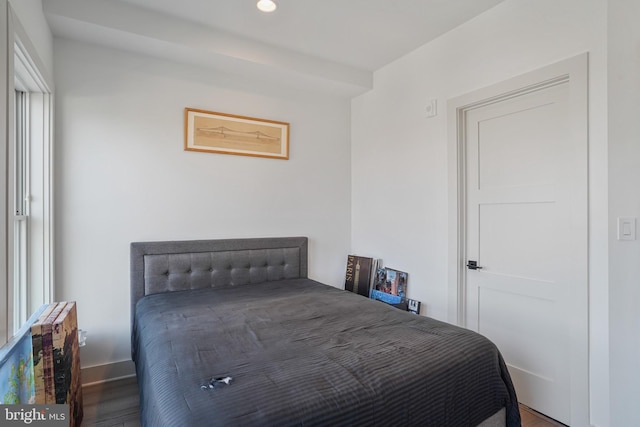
[{"x": 180, "y": 265}]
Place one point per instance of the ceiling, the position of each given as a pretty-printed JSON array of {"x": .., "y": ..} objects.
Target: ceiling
[{"x": 330, "y": 44}]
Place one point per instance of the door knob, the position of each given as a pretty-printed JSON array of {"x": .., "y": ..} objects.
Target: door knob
[{"x": 473, "y": 265}]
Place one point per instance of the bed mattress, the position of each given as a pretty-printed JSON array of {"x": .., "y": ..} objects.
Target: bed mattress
[{"x": 303, "y": 353}]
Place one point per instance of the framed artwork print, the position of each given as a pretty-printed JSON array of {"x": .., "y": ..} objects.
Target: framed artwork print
[{"x": 212, "y": 132}]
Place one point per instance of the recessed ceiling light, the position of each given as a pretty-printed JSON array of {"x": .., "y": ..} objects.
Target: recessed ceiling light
[{"x": 266, "y": 5}]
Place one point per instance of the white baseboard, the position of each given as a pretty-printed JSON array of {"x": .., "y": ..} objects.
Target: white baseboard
[{"x": 108, "y": 372}]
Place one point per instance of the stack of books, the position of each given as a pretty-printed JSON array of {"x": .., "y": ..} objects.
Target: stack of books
[{"x": 366, "y": 276}]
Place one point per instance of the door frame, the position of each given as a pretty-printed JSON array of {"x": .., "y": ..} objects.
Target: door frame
[{"x": 574, "y": 72}]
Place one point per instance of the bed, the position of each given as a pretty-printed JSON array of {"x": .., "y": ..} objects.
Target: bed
[{"x": 233, "y": 332}]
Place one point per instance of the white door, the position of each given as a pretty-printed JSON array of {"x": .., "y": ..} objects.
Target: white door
[{"x": 525, "y": 227}]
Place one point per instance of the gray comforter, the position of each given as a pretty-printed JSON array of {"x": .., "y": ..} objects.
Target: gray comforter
[{"x": 303, "y": 353}]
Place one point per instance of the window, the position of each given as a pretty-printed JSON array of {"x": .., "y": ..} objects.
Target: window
[
  {"x": 26, "y": 184},
  {"x": 20, "y": 211}
]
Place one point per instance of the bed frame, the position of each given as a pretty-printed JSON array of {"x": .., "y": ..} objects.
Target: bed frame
[{"x": 193, "y": 264}]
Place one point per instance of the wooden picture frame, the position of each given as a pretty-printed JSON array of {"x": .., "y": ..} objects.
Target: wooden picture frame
[{"x": 212, "y": 132}]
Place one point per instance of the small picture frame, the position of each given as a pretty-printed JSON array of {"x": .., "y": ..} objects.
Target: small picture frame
[
  {"x": 413, "y": 306},
  {"x": 212, "y": 132},
  {"x": 390, "y": 286}
]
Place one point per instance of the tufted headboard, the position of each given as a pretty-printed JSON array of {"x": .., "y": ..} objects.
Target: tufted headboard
[{"x": 181, "y": 265}]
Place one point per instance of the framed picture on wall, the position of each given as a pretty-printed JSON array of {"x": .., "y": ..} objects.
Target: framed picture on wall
[{"x": 208, "y": 131}]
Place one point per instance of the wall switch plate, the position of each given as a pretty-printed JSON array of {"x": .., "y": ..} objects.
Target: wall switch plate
[
  {"x": 431, "y": 110},
  {"x": 626, "y": 228}
]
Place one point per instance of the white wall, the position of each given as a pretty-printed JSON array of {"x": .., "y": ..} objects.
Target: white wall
[
  {"x": 624, "y": 201},
  {"x": 399, "y": 157},
  {"x": 123, "y": 176}
]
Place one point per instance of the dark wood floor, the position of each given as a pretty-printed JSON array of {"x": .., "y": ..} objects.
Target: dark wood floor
[
  {"x": 116, "y": 404},
  {"x": 111, "y": 404}
]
